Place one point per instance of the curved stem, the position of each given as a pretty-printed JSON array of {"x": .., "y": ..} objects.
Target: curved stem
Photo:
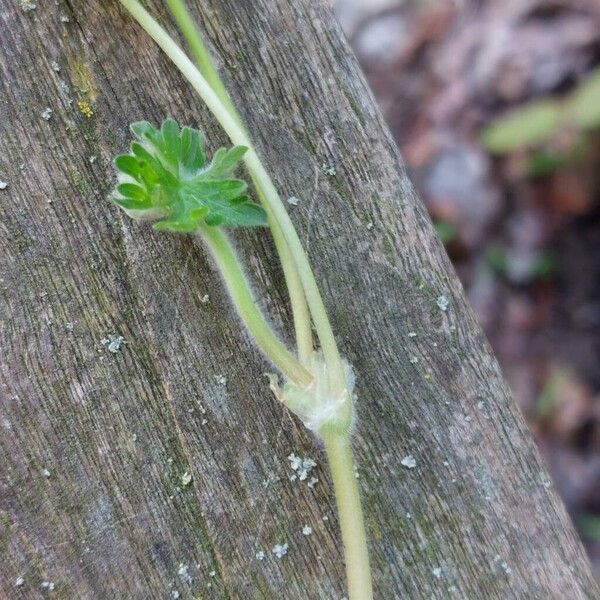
[
  {"x": 240, "y": 294},
  {"x": 300, "y": 312},
  {"x": 184, "y": 21},
  {"x": 339, "y": 454},
  {"x": 337, "y": 444},
  {"x": 237, "y": 135},
  {"x": 335, "y": 370}
]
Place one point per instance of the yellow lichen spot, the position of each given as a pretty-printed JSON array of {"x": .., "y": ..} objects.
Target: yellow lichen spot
[
  {"x": 85, "y": 109},
  {"x": 82, "y": 78}
]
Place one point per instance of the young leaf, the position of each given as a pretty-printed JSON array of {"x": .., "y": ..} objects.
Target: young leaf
[
  {"x": 192, "y": 151},
  {"x": 130, "y": 190},
  {"x": 224, "y": 162},
  {"x": 165, "y": 177},
  {"x": 128, "y": 165},
  {"x": 170, "y": 140},
  {"x": 142, "y": 129}
]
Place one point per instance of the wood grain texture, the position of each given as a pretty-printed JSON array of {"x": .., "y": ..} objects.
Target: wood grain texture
[{"x": 93, "y": 444}]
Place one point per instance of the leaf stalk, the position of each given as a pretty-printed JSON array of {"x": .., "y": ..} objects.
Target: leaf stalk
[
  {"x": 304, "y": 293},
  {"x": 300, "y": 311},
  {"x": 259, "y": 174},
  {"x": 245, "y": 304}
]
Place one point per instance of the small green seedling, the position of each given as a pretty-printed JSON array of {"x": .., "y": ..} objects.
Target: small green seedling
[{"x": 166, "y": 177}]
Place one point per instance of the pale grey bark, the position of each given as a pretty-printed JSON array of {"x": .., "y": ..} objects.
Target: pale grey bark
[{"x": 94, "y": 443}]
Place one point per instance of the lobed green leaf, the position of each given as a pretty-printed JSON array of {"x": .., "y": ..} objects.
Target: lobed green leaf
[{"x": 165, "y": 175}]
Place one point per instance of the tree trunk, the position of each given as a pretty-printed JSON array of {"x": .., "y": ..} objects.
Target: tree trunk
[{"x": 98, "y": 437}]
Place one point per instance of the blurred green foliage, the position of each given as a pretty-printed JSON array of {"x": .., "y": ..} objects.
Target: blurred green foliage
[
  {"x": 546, "y": 161},
  {"x": 445, "y": 229},
  {"x": 539, "y": 120},
  {"x": 589, "y": 525},
  {"x": 528, "y": 125},
  {"x": 542, "y": 265},
  {"x": 553, "y": 386}
]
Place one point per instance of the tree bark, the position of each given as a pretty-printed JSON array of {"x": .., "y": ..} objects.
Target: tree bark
[{"x": 96, "y": 438}]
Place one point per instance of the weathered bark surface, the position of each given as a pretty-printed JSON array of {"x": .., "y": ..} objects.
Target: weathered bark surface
[{"x": 110, "y": 517}]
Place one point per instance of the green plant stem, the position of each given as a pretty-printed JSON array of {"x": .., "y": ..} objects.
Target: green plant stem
[
  {"x": 335, "y": 370},
  {"x": 245, "y": 304},
  {"x": 300, "y": 312},
  {"x": 337, "y": 444},
  {"x": 339, "y": 455},
  {"x": 237, "y": 135},
  {"x": 200, "y": 53}
]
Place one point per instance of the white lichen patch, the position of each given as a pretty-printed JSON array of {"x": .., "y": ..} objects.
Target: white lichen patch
[
  {"x": 302, "y": 467},
  {"x": 205, "y": 299},
  {"x": 46, "y": 114},
  {"x": 27, "y": 5},
  {"x": 3, "y": 185},
  {"x": 409, "y": 462},
  {"x": 442, "y": 303},
  {"x": 306, "y": 530},
  {"x": 280, "y": 550},
  {"x": 412, "y": 334},
  {"x": 19, "y": 581},
  {"x": 113, "y": 342},
  {"x": 221, "y": 379},
  {"x": 47, "y": 585},
  {"x": 186, "y": 479},
  {"x": 260, "y": 555},
  {"x": 55, "y": 66},
  {"x": 293, "y": 201},
  {"x": 328, "y": 169},
  {"x": 46, "y": 473},
  {"x": 437, "y": 572},
  {"x": 503, "y": 564},
  {"x": 184, "y": 572},
  {"x": 545, "y": 480},
  {"x": 483, "y": 476}
]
